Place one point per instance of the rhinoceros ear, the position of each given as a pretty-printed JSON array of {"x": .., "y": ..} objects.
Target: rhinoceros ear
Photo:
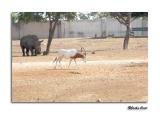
[{"x": 41, "y": 41}]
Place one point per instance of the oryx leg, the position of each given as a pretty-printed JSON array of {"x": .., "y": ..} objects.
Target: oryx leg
[
  {"x": 75, "y": 62},
  {"x": 56, "y": 60},
  {"x": 70, "y": 62},
  {"x": 59, "y": 60}
]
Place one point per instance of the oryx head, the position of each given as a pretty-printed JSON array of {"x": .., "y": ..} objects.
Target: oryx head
[{"x": 83, "y": 51}]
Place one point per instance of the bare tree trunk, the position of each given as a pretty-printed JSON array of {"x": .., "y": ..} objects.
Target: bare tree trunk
[
  {"x": 126, "y": 39},
  {"x": 52, "y": 28}
]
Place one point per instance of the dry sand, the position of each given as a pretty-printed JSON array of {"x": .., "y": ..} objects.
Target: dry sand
[{"x": 111, "y": 75}]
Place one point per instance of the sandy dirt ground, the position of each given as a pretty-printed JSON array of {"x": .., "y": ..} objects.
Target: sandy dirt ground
[{"x": 109, "y": 75}]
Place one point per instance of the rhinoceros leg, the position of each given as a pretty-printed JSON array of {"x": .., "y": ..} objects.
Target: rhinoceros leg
[
  {"x": 35, "y": 52},
  {"x": 32, "y": 52},
  {"x": 27, "y": 52},
  {"x": 23, "y": 51}
]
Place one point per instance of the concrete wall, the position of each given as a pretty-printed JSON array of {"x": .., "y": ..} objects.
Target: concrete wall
[{"x": 82, "y": 28}]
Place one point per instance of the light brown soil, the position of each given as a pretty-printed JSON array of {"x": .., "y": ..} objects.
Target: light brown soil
[{"x": 86, "y": 82}]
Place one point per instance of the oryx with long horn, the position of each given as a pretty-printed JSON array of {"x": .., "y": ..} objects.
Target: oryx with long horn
[{"x": 72, "y": 54}]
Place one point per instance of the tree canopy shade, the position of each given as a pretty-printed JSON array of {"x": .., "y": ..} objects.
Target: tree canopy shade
[
  {"x": 52, "y": 17},
  {"x": 126, "y": 18},
  {"x": 122, "y": 16}
]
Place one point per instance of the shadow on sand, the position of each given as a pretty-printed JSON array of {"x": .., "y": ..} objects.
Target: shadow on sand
[{"x": 61, "y": 69}]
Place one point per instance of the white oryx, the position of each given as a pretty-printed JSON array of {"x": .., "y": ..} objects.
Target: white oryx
[{"x": 72, "y": 54}]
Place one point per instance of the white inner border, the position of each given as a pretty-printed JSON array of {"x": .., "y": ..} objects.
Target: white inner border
[{"x": 8, "y": 6}]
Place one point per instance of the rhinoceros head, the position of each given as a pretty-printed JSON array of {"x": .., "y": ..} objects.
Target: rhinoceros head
[{"x": 38, "y": 47}]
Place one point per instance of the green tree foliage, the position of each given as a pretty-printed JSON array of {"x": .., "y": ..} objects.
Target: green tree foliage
[
  {"x": 90, "y": 15},
  {"x": 14, "y": 18},
  {"x": 83, "y": 16},
  {"x": 26, "y": 17}
]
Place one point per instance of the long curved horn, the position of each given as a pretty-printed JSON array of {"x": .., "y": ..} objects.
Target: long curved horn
[{"x": 82, "y": 49}]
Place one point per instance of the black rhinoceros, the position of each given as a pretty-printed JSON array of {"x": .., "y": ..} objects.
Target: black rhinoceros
[{"x": 30, "y": 43}]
